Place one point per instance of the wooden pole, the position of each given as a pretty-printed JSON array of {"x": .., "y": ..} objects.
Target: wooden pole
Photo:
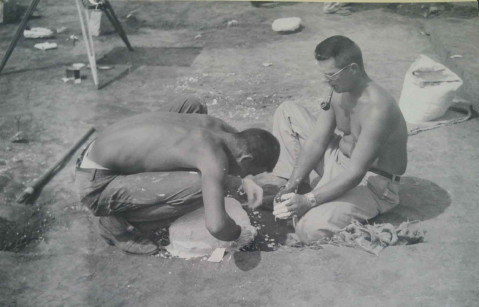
[
  {"x": 40, "y": 182},
  {"x": 85, "y": 28}
]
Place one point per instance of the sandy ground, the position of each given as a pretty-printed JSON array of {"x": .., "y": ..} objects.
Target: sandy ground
[{"x": 52, "y": 255}]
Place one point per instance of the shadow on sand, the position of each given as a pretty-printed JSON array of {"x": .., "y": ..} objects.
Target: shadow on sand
[{"x": 421, "y": 200}]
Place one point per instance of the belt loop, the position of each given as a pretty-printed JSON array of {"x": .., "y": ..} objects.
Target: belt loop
[{"x": 93, "y": 174}]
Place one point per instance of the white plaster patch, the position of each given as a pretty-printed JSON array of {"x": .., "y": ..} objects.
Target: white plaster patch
[{"x": 189, "y": 237}]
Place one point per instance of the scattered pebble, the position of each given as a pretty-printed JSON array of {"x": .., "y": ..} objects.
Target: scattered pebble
[
  {"x": 37, "y": 32},
  {"x": 232, "y": 23},
  {"x": 130, "y": 14},
  {"x": 18, "y": 137},
  {"x": 61, "y": 29},
  {"x": 46, "y": 46},
  {"x": 78, "y": 65}
]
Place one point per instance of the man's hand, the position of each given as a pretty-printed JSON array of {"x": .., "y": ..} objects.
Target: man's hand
[
  {"x": 253, "y": 191},
  {"x": 247, "y": 235},
  {"x": 287, "y": 189},
  {"x": 292, "y": 204}
]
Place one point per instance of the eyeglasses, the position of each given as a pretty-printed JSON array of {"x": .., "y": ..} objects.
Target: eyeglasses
[{"x": 335, "y": 76}]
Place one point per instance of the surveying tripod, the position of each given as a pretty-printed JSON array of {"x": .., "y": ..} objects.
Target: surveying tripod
[{"x": 103, "y": 5}]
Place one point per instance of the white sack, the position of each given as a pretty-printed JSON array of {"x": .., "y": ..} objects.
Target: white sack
[{"x": 428, "y": 90}]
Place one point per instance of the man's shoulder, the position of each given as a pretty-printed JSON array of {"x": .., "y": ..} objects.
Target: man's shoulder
[
  {"x": 379, "y": 96},
  {"x": 379, "y": 104}
]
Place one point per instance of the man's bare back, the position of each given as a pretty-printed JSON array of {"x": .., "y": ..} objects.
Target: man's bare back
[
  {"x": 117, "y": 174},
  {"x": 158, "y": 142}
]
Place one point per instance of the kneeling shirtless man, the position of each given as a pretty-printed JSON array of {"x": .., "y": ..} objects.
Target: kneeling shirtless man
[
  {"x": 159, "y": 166},
  {"x": 357, "y": 145}
]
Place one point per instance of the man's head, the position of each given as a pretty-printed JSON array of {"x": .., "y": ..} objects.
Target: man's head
[
  {"x": 341, "y": 62},
  {"x": 260, "y": 151}
]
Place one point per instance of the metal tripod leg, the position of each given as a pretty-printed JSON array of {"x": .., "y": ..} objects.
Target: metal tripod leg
[
  {"x": 110, "y": 13},
  {"x": 19, "y": 32}
]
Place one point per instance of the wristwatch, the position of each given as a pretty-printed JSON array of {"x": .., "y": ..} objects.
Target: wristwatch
[{"x": 311, "y": 199}]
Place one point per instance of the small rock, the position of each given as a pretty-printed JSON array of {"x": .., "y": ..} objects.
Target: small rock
[
  {"x": 37, "y": 32},
  {"x": 61, "y": 29},
  {"x": 19, "y": 137},
  {"x": 433, "y": 9},
  {"x": 78, "y": 65},
  {"x": 130, "y": 14},
  {"x": 267, "y": 64},
  {"x": 289, "y": 24},
  {"x": 46, "y": 46},
  {"x": 232, "y": 23},
  {"x": 455, "y": 56},
  {"x": 198, "y": 36}
]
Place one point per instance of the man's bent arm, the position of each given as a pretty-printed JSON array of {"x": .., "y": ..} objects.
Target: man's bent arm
[
  {"x": 313, "y": 148},
  {"x": 376, "y": 129},
  {"x": 213, "y": 170}
]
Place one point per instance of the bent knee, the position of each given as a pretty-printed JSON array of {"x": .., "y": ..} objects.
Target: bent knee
[
  {"x": 308, "y": 234},
  {"x": 192, "y": 104},
  {"x": 286, "y": 107},
  {"x": 321, "y": 222}
]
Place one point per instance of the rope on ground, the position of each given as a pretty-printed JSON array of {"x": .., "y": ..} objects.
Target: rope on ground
[
  {"x": 374, "y": 238},
  {"x": 443, "y": 123}
]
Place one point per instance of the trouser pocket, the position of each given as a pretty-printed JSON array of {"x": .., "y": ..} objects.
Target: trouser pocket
[{"x": 385, "y": 189}]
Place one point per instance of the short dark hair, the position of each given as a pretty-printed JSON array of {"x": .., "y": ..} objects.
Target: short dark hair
[
  {"x": 343, "y": 50},
  {"x": 262, "y": 145}
]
